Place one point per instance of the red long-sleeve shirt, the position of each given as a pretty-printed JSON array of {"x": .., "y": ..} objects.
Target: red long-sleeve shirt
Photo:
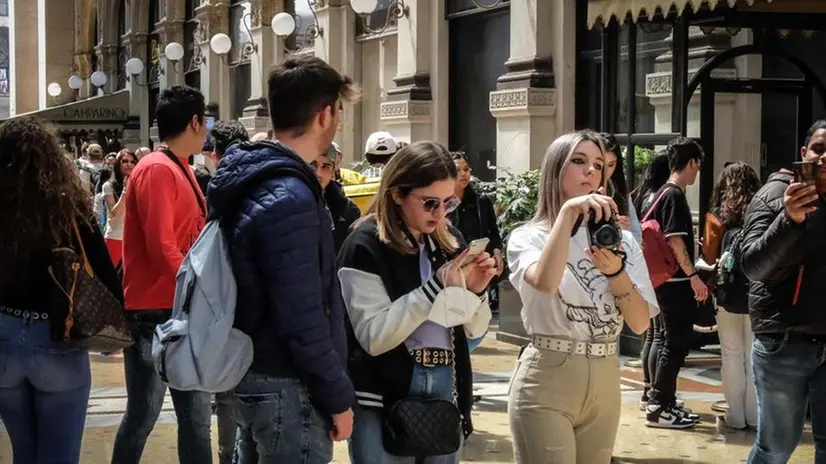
[{"x": 162, "y": 221}]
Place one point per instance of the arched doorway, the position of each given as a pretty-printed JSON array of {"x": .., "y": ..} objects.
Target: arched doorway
[{"x": 802, "y": 89}]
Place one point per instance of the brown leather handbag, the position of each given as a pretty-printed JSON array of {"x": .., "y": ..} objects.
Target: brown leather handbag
[{"x": 95, "y": 319}]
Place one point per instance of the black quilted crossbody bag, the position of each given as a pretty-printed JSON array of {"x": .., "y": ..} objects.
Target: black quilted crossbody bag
[{"x": 420, "y": 427}]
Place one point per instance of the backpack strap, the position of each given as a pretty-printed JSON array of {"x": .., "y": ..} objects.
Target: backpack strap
[
  {"x": 195, "y": 190},
  {"x": 654, "y": 205}
]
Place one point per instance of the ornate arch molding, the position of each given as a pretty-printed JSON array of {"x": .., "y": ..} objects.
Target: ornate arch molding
[
  {"x": 107, "y": 28},
  {"x": 85, "y": 14}
]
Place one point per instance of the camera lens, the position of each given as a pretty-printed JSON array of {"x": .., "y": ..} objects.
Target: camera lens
[{"x": 607, "y": 236}]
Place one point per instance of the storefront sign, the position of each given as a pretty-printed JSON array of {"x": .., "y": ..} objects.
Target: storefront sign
[{"x": 94, "y": 114}]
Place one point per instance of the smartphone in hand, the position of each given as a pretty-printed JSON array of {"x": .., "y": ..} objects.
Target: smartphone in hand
[
  {"x": 475, "y": 248},
  {"x": 805, "y": 172}
]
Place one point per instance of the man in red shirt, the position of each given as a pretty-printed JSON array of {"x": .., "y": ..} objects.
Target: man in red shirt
[{"x": 165, "y": 212}]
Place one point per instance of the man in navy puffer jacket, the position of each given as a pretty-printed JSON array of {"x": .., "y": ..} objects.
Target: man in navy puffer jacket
[{"x": 281, "y": 243}]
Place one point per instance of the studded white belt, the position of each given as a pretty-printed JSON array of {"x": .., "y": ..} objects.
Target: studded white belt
[{"x": 569, "y": 346}]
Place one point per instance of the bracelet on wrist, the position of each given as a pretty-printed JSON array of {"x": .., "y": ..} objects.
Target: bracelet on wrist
[
  {"x": 615, "y": 274},
  {"x": 692, "y": 274}
]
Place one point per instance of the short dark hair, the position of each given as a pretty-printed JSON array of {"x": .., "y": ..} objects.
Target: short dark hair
[
  {"x": 300, "y": 87},
  {"x": 681, "y": 151},
  {"x": 175, "y": 109},
  {"x": 818, "y": 125},
  {"x": 225, "y": 133},
  {"x": 459, "y": 155}
]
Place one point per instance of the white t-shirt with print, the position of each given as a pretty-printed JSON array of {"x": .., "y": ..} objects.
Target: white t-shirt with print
[
  {"x": 583, "y": 308},
  {"x": 114, "y": 224}
]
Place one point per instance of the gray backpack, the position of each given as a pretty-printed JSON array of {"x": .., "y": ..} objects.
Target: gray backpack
[{"x": 197, "y": 348}]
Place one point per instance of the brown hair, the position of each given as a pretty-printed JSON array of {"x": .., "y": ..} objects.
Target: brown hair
[
  {"x": 733, "y": 192},
  {"x": 414, "y": 166},
  {"x": 42, "y": 194}
]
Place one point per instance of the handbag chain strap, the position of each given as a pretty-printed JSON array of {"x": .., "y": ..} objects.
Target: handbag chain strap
[{"x": 455, "y": 392}]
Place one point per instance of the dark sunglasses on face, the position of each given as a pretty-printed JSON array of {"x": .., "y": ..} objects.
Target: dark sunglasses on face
[{"x": 432, "y": 204}]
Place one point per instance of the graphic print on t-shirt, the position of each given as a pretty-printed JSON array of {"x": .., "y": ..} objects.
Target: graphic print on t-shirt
[{"x": 601, "y": 316}]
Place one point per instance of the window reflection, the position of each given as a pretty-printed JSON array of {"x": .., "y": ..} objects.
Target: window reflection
[
  {"x": 240, "y": 24},
  {"x": 377, "y": 19}
]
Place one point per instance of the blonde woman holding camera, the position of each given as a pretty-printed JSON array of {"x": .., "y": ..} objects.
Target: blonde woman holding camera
[{"x": 577, "y": 287}]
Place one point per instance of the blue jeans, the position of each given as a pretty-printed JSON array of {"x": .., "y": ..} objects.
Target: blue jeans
[
  {"x": 789, "y": 372},
  {"x": 366, "y": 445},
  {"x": 145, "y": 394},
  {"x": 277, "y": 420},
  {"x": 44, "y": 392}
]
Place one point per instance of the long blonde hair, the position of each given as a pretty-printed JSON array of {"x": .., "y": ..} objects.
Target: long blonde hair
[
  {"x": 414, "y": 166},
  {"x": 557, "y": 157}
]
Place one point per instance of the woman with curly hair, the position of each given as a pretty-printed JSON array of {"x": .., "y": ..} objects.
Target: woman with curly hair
[
  {"x": 114, "y": 194},
  {"x": 731, "y": 196},
  {"x": 44, "y": 382}
]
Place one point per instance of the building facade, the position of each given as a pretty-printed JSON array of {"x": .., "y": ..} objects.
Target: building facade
[
  {"x": 427, "y": 67},
  {"x": 498, "y": 79}
]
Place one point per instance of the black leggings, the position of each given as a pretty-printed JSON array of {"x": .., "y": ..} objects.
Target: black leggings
[
  {"x": 651, "y": 350},
  {"x": 677, "y": 311}
]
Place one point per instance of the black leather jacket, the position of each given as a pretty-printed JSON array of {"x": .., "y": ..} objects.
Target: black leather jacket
[{"x": 785, "y": 262}]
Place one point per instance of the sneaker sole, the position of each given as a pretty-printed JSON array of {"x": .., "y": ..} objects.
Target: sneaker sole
[{"x": 657, "y": 425}]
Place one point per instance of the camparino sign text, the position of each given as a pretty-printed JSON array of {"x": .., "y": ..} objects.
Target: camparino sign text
[{"x": 95, "y": 114}]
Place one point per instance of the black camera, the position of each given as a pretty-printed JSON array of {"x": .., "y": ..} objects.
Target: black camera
[{"x": 604, "y": 233}]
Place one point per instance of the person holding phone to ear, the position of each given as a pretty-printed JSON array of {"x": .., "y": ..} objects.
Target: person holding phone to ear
[{"x": 412, "y": 305}]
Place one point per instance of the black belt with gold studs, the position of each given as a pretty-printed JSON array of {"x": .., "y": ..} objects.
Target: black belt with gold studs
[{"x": 432, "y": 357}]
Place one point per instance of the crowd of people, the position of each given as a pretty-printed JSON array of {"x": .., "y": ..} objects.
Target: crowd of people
[{"x": 362, "y": 322}]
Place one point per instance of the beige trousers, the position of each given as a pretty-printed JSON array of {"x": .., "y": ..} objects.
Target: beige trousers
[{"x": 564, "y": 408}]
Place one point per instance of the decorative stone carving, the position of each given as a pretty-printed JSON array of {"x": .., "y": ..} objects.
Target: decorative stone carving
[
  {"x": 659, "y": 84},
  {"x": 411, "y": 110},
  {"x": 527, "y": 101}
]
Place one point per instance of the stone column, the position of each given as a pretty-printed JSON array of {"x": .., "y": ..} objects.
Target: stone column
[
  {"x": 525, "y": 101},
  {"x": 172, "y": 73},
  {"x": 25, "y": 82},
  {"x": 215, "y": 74},
  {"x": 270, "y": 51},
  {"x": 336, "y": 45},
  {"x": 54, "y": 63},
  {"x": 407, "y": 113},
  {"x": 108, "y": 63},
  {"x": 137, "y": 131}
]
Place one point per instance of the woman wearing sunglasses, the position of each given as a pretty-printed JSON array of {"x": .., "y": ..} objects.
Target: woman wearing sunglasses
[
  {"x": 564, "y": 397},
  {"x": 413, "y": 299}
]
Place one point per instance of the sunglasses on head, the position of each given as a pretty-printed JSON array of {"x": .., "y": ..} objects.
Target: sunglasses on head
[{"x": 432, "y": 204}]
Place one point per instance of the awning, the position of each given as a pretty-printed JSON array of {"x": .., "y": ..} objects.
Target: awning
[
  {"x": 97, "y": 113},
  {"x": 601, "y": 11}
]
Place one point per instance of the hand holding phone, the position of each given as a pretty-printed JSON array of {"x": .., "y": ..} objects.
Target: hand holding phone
[
  {"x": 805, "y": 172},
  {"x": 475, "y": 248}
]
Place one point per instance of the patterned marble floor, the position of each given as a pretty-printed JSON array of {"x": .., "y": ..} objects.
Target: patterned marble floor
[{"x": 699, "y": 386}]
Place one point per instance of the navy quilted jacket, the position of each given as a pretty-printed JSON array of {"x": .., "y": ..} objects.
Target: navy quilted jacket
[{"x": 281, "y": 241}]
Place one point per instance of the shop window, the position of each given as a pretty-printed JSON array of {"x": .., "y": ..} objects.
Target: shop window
[
  {"x": 454, "y": 8},
  {"x": 4, "y": 7},
  {"x": 304, "y": 17},
  {"x": 651, "y": 83}
]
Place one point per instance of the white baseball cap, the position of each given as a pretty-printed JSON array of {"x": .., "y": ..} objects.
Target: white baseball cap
[{"x": 380, "y": 143}]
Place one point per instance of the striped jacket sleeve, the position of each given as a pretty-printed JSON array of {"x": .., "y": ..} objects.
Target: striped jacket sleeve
[{"x": 380, "y": 324}]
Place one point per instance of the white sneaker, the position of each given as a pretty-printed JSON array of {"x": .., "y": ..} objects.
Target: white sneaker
[{"x": 657, "y": 416}]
